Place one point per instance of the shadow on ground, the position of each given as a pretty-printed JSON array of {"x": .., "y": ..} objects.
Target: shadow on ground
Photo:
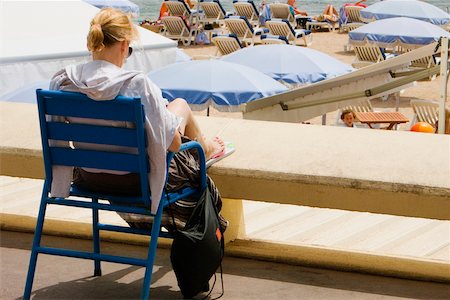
[{"x": 66, "y": 278}]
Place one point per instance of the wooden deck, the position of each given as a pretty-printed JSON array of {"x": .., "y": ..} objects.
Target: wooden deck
[
  {"x": 354, "y": 231},
  {"x": 424, "y": 239}
]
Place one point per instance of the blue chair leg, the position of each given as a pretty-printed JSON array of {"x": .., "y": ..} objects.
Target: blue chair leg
[
  {"x": 35, "y": 246},
  {"x": 156, "y": 228},
  {"x": 96, "y": 238}
]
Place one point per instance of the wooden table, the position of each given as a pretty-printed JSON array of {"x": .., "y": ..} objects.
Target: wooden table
[{"x": 391, "y": 118}]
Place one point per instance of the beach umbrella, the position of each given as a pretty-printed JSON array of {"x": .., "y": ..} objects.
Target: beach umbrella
[
  {"x": 222, "y": 84},
  {"x": 402, "y": 31},
  {"x": 290, "y": 64},
  {"x": 406, "y": 8},
  {"x": 124, "y": 5},
  {"x": 27, "y": 93},
  {"x": 181, "y": 56}
]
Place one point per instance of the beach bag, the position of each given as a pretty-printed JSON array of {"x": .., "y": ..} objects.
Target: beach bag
[
  {"x": 202, "y": 39},
  {"x": 198, "y": 249}
]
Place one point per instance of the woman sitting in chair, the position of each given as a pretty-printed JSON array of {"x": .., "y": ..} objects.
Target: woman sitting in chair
[{"x": 166, "y": 124}]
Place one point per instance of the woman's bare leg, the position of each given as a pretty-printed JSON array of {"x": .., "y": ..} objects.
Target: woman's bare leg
[{"x": 190, "y": 128}]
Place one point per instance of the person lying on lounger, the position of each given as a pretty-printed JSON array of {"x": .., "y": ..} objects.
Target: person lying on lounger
[{"x": 329, "y": 14}]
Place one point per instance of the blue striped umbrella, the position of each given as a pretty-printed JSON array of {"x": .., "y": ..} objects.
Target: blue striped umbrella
[
  {"x": 406, "y": 8},
  {"x": 222, "y": 84}
]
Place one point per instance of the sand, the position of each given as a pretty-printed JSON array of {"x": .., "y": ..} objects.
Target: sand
[{"x": 333, "y": 43}]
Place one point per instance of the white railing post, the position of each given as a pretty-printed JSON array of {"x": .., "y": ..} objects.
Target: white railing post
[{"x": 444, "y": 81}]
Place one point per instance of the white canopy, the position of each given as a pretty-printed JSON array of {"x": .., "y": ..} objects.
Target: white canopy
[{"x": 38, "y": 38}]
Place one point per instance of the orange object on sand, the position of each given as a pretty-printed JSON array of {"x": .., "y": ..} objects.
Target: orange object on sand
[{"x": 422, "y": 127}]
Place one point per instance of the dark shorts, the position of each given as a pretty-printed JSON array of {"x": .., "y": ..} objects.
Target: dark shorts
[{"x": 183, "y": 172}]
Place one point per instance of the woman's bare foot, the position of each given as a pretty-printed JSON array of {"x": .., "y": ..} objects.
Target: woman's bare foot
[{"x": 216, "y": 146}]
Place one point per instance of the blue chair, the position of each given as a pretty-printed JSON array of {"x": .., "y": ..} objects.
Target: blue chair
[{"x": 75, "y": 105}]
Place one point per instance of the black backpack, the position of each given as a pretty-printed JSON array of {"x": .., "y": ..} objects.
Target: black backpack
[{"x": 198, "y": 249}]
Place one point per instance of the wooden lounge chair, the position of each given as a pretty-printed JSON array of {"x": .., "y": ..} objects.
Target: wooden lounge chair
[
  {"x": 425, "y": 111},
  {"x": 226, "y": 43},
  {"x": 368, "y": 54},
  {"x": 310, "y": 25},
  {"x": 282, "y": 11},
  {"x": 213, "y": 12},
  {"x": 247, "y": 8},
  {"x": 268, "y": 39},
  {"x": 420, "y": 63},
  {"x": 241, "y": 27},
  {"x": 180, "y": 8},
  {"x": 177, "y": 29},
  {"x": 294, "y": 36},
  {"x": 353, "y": 18}
]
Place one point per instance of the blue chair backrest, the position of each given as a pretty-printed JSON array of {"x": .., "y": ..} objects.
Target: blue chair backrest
[{"x": 64, "y": 105}]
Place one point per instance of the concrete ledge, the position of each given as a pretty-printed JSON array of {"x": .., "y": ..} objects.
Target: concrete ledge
[
  {"x": 305, "y": 255},
  {"x": 338, "y": 193},
  {"x": 65, "y": 228},
  {"x": 401, "y": 173},
  {"x": 339, "y": 259}
]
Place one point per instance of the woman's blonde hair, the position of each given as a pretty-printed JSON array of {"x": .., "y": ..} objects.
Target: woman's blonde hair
[{"x": 108, "y": 27}]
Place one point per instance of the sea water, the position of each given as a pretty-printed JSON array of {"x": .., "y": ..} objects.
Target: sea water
[{"x": 149, "y": 9}]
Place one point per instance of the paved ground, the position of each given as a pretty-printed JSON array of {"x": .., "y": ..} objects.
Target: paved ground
[{"x": 65, "y": 278}]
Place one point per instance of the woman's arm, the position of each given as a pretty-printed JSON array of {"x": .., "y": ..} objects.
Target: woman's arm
[{"x": 176, "y": 142}]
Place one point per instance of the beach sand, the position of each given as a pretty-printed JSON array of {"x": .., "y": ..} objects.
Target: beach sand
[{"x": 333, "y": 43}]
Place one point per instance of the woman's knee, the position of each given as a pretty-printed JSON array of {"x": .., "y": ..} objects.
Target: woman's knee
[
  {"x": 180, "y": 102},
  {"x": 179, "y": 106}
]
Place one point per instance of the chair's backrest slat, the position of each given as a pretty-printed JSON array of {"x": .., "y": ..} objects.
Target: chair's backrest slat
[
  {"x": 95, "y": 159},
  {"x": 75, "y": 105},
  {"x": 95, "y": 134}
]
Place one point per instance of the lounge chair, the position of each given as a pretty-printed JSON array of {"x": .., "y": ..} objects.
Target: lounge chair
[
  {"x": 282, "y": 11},
  {"x": 247, "y": 8},
  {"x": 177, "y": 29},
  {"x": 353, "y": 18},
  {"x": 421, "y": 63},
  {"x": 226, "y": 43},
  {"x": 213, "y": 12},
  {"x": 241, "y": 27},
  {"x": 368, "y": 54},
  {"x": 180, "y": 8},
  {"x": 425, "y": 111},
  {"x": 310, "y": 25},
  {"x": 267, "y": 39},
  {"x": 294, "y": 36}
]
